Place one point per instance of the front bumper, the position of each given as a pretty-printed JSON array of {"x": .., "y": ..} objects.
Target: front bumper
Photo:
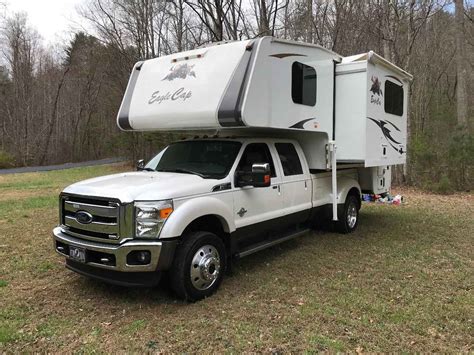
[{"x": 161, "y": 254}]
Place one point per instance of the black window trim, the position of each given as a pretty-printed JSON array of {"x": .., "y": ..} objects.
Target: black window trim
[
  {"x": 297, "y": 155},
  {"x": 316, "y": 85},
  {"x": 385, "y": 98}
]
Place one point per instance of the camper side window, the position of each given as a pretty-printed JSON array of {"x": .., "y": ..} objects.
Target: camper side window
[
  {"x": 393, "y": 98},
  {"x": 289, "y": 159},
  {"x": 303, "y": 84}
]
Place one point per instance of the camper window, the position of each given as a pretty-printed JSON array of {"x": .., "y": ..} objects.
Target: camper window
[
  {"x": 303, "y": 84},
  {"x": 393, "y": 98},
  {"x": 289, "y": 159}
]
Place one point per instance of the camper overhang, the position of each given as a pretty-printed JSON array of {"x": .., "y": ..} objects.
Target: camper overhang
[{"x": 374, "y": 58}]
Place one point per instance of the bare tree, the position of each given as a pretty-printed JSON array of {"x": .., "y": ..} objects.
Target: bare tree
[
  {"x": 461, "y": 65},
  {"x": 266, "y": 14},
  {"x": 20, "y": 53},
  {"x": 212, "y": 14}
]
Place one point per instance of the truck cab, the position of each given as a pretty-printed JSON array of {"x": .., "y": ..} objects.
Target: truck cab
[{"x": 193, "y": 208}]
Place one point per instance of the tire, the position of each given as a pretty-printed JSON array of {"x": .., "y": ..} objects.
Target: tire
[
  {"x": 198, "y": 266},
  {"x": 348, "y": 216}
]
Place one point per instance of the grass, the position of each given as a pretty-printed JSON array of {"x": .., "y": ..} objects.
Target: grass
[{"x": 402, "y": 282}]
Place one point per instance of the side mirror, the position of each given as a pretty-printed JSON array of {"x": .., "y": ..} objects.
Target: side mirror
[
  {"x": 261, "y": 176},
  {"x": 140, "y": 164}
]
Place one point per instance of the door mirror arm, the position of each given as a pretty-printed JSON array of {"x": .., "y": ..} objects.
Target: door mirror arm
[
  {"x": 259, "y": 177},
  {"x": 140, "y": 164}
]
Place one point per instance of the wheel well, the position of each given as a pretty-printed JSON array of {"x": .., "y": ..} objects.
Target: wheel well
[
  {"x": 209, "y": 223},
  {"x": 356, "y": 193}
]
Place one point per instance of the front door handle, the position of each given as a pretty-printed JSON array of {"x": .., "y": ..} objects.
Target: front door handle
[{"x": 275, "y": 187}]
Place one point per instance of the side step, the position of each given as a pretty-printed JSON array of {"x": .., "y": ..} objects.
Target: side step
[{"x": 260, "y": 246}]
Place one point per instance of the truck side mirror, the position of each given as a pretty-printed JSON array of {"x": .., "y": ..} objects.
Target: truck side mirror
[
  {"x": 140, "y": 164},
  {"x": 261, "y": 176}
]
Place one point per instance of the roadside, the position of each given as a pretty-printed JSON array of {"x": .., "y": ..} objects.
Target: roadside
[{"x": 33, "y": 169}]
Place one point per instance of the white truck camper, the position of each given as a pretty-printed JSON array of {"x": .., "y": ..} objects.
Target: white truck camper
[{"x": 283, "y": 135}]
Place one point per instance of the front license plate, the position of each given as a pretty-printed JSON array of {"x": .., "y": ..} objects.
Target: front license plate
[{"x": 78, "y": 254}]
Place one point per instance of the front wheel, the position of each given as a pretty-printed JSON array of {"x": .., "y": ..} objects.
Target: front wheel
[
  {"x": 198, "y": 266},
  {"x": 348, "y": 217}
]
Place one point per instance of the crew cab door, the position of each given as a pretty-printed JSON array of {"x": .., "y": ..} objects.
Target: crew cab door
[
  {"x": 256, "y": 208},
  {"x": 295, "y": 184}
]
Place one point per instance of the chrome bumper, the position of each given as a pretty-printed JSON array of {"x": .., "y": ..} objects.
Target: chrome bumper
[{"x": 119, "y": 251}]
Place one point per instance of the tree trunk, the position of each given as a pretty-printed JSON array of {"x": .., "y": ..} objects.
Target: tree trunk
[
  {"x": 309, "y": 24},
  {"x": 461, "y": 65}
]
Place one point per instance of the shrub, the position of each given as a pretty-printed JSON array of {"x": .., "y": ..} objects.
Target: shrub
[
  {"x": 444, "y": 186},
  {"x": 6, "y": 160}
]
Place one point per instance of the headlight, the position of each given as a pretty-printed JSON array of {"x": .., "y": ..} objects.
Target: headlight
[{"x": 150, "y": 217}]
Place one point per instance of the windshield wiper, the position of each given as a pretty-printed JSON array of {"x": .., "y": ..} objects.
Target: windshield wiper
[
  {"x": 147, "y": 169},
  {"x": 185, "y": 171}
]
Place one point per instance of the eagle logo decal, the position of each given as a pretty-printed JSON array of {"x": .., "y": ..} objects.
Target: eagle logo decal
[
  {"x": 181, "y": 71},
  {"x": 376, "y": 84}
]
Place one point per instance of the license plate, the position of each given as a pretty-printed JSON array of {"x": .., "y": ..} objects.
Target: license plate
[{"x": 78, "y": 254}]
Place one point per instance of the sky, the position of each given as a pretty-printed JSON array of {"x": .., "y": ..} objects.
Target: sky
[{"x": 53, "y": 19}]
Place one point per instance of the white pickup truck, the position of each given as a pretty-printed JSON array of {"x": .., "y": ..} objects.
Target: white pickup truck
[{"x": 194, "y": 207}]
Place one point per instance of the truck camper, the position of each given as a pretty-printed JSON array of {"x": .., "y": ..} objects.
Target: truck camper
[{"x": 282, "y": 135}]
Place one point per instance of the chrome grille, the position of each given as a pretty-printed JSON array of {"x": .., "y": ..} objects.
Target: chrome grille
[{"x": 107, "y": 217}]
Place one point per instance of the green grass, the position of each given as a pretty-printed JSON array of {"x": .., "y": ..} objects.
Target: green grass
[
  {"x": 52, "y": 179},
  {"x": 135, "y": 326},
  {"x": 323, "y": 343},
  {"x": 16, "y": 207},
  {"x": 401, "y": 283}
]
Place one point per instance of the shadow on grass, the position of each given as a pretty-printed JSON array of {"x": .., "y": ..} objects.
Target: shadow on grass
[{"x": 378, "y": 229}]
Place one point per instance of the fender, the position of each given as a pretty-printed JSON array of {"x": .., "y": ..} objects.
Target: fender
[
  {"x": 344, "y": 185},
  {"x": 187, "y": 211}
]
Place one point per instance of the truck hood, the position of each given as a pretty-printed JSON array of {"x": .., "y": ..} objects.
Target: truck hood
[{"x": 143, "y": 186}]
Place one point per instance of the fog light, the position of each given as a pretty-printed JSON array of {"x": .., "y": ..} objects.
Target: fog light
[
  {"x": 143, "y": 257},
  {"x": 139, "y": 257}
]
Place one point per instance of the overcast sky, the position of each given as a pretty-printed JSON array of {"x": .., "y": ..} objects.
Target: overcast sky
[{"x": 53, "y": 19}]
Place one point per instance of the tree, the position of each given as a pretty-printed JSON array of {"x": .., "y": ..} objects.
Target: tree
[
  {"x": 20, "y": 53},
  {"x": 461, "y": 65}
]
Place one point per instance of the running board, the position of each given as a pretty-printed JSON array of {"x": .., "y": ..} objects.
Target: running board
[{"x": 257, "y": 247}]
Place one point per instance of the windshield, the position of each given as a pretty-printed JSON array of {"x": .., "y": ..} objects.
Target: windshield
[{"x": 208, "y": 159}]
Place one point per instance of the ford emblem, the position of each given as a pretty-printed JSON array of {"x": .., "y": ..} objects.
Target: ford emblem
[{"x": 84, "y": 217}]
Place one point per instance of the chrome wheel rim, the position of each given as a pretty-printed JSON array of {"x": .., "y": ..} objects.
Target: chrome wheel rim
[
  {"x": 352, "y": 215},
  {"x": 205, "y": 267}
]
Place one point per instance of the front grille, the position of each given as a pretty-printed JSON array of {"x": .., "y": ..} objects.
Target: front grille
[{"x": 106, "y": 217}]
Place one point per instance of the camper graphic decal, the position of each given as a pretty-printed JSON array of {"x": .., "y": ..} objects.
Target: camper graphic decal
[
  {"x": 376, "y": 91},
  {"x": 394, "y": 78},
  {"x": 181, "y": 71},
  {"x": 181, "y": 94},
  {"x": 375, "y": 88},
  {"x": 284, "y": 55},
  {"x": 387, "y": 132},
  {"x": 300, "y": 124}
]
